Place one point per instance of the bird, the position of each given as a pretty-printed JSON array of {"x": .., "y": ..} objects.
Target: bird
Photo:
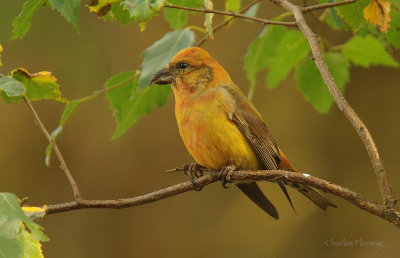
[{"x": 222, "y": 129}]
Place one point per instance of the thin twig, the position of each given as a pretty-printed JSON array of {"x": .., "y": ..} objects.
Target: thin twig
[
  {"x": 391, "y": 215},
  {"x": 105, "y": 90},
  {"x": 63, "y": 165},
  {"x": 225, "y": 22},
  {"x": 233, "y": 14},
  {"x": 387, "y": 194},
  {"x": 325, "y": 6}
]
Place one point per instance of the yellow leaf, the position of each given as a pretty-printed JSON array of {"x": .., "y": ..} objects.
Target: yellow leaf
[
  {"x": 378, "y": 12},
  {"x": 33, "y": 212},
  {"x": 41, "y": 85}
]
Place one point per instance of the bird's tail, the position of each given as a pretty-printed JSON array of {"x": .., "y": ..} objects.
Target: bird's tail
[
  {"x": 313, "y": 195},
  {"x": 252, "y": 191},
  {"x": 307, "y": 191}
]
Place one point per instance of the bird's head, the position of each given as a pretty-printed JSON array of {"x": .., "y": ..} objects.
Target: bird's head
[{"x": 191, "y": 70}]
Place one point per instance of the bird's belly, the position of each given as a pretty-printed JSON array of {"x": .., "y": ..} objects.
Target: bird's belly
[{"x": 214, "y": 141}]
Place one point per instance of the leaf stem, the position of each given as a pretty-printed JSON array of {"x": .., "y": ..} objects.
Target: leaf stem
[{"x": 99, "y": 92}]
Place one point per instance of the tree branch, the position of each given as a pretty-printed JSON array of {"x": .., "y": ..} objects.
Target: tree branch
[
  {"x": 233, "y": 14},
  {"x": 386, "y": 213},
  {"x": 387, "y": 194},
  {"x": 325, "y": 6},
  {"x": 63, "y": 165}
]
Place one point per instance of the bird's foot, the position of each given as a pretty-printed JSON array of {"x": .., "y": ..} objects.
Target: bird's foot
[
  {"x": 193, "y": 172},
  {"x": 226, "y": 173}
]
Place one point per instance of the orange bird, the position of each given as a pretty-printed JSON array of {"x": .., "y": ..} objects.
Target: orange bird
[{"x": 221, "y": 128}]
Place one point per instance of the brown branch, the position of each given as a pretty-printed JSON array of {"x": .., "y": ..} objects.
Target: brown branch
[
  {"x": 389, "y": 214},
  {"x": 233, "y": 14},
  {"x": 244, "y": 9},
  {"x": 387, "y": 194},
  {"x": 225, "y": 22},
  {"x": 325, "y": 6},
  {"x": 131, "y": 202},
  {"x": 63, "y": 165}
]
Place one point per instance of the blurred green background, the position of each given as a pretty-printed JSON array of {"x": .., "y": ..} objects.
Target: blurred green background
[{"x": 213, "y": 222}]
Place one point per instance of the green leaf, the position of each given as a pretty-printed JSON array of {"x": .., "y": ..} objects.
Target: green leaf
[
  {"x": 335, "y": 21},
  {"x": 129, "y": 104},
  {"x": 22, "y": 23},
  {"x": 8, "y": 100},
  {"x": 15, "y": 239},
  {"x": 160, "y": 53},
  {"x": 122, "y": 94},
  {"x": 353, "y": 13},
  {"x": 234, "y": 6},
  {"x": 292, "y": 49},
  {"x": 208, "y": 19},
  {"x": 68, "y": 8},
  {"x": 366, "y": 29},
  {"x": 142, "y": 10},
  {"x": 39, "y": 86},
  {"x": 140, "y": 103},
  {"x": 393, "y": 34},
  {"x": 366, "y": 51},
  {"x": 69, "y": 108},
  {"x": 118, "y": 12},
  {"x": 177, "y": 18},
  {"x": 261, "y": 50},
  {"x": 11, "y": 87},
  {"x": 311, "y": 84}
]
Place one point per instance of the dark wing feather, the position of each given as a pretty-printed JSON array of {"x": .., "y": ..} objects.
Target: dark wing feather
[{"x": 254, "y": 129}]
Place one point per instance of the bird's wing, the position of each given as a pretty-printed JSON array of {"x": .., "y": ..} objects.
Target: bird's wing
[
  {"x": 249, "y": 122},
  {"x": 251, "y": 125}
]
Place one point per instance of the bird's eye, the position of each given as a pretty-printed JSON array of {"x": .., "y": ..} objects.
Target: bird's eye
[{"x": 182, "y": 65}]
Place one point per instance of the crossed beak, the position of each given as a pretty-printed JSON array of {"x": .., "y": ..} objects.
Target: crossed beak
[{"x": 163, "y": 76}]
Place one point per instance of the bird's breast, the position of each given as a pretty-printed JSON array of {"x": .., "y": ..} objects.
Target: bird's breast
[{"x": 211, "y": 138}]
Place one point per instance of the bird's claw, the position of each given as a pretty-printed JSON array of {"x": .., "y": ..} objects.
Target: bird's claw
[
  {"x": 226, "y": 173},
  {"x": 193, "y": 172}
]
